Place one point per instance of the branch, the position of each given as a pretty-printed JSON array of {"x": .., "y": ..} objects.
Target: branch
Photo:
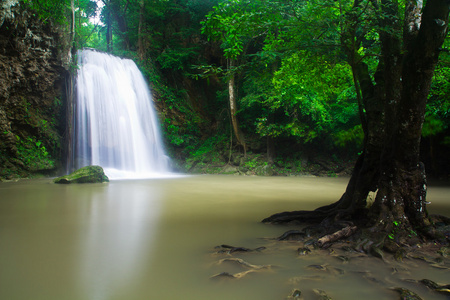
[{"x": 343, "y": 233}]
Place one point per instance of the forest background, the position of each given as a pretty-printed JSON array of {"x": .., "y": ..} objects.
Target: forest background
[{"x": 241, "y": 86}]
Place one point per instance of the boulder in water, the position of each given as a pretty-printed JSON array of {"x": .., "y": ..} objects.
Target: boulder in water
[{"x": 89, "y": 174}]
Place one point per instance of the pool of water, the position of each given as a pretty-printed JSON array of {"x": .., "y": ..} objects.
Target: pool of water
[{"x": 156, "y": 239}]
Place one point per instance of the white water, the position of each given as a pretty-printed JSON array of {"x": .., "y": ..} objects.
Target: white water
[{"x": 116, "y": 126}]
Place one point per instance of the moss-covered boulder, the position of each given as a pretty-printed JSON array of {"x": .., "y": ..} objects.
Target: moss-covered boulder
[{"x": 89, "y": 174}]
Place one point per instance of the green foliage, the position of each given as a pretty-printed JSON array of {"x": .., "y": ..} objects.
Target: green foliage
[
  {"x": 55, "y": 10},
  {"x": 433, "y": 125},
  {"x": 34, "y": 154},
  {"x": 207, "y": 151},
  {"x": 230, "y": 24},
  {"x": 307, "y": 97},
  {"x": 437, "y": 116},
  {"x": 176, "y": 59},
  {"x": 352, "y": 136},
  {"x": 287, "y": 91}
]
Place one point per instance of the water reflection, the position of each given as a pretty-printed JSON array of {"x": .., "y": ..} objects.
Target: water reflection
[{"x": 121, "y": 223}]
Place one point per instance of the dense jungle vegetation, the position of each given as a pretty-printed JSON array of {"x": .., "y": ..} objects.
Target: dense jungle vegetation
[{"x": 261, "y": 87}]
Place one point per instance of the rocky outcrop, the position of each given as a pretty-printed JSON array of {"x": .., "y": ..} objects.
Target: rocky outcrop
[
  {"x": 34, "y": 59},
  {"x": 89, "y": 174}
]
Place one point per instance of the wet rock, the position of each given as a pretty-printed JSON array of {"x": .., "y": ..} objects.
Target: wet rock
[
  {"x": 442, "y": 289},
  {"x": 406, "y": 294},
  {"x": 34, "y": 59},
  {"x": 429, "y": 284},
  {"x": 89, "y": 174}
]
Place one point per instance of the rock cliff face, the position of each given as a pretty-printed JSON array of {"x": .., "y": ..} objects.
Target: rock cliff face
[{"x": 34, "y": 61}]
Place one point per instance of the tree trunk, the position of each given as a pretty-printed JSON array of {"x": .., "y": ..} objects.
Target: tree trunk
[
  {"x": 270, "y": 150},
  {"x": 233, "y": 109},
  {"x": 394, "y": 111}
]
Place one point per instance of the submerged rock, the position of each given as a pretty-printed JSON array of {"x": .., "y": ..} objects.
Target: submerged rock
[{"x": 89, "y": 174}]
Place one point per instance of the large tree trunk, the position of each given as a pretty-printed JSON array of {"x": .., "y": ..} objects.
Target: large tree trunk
[
  {"x": 394, "y": 113},
  {"x": 402, "y": 187}
]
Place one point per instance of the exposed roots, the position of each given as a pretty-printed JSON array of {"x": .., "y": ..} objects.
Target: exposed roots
[{"x": 251, "y": 268}]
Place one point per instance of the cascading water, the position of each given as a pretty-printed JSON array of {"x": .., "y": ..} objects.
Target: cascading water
[{"x": 115, "y": 126}]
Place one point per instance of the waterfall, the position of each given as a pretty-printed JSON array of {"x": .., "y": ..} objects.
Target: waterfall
[{"x": 115, "y": 125}]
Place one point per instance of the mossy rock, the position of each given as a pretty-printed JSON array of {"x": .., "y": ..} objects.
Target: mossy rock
[{"x": 89, "y": 174}]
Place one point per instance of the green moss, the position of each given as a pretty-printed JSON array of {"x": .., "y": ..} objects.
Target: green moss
[{"x": 89, "y": 174}]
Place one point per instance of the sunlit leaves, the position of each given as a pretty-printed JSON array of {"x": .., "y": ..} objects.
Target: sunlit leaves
[{"x": 234, "y": 23}]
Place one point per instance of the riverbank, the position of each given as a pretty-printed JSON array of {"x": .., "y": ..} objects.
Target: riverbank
[{"x": 258, "y": 164}]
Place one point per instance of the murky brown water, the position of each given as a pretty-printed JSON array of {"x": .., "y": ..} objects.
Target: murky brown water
[{"x": 155, "y": 239}]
